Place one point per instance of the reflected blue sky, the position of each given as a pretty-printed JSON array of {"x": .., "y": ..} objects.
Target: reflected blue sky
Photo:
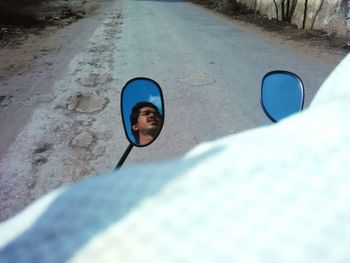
[
  {"x": 282, "y": 95},
  {"x": 137, "y": 91}
]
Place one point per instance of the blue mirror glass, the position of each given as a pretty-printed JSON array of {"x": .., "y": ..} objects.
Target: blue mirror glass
[
  {"x": 282, "y": 94},
  {"x": 142, "y": 107}
]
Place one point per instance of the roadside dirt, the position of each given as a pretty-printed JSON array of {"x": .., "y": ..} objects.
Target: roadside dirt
[
  {"x": 18, "y": 20},
  {"x": 316, "y": 44},
  {"x": 24, "y": 27}
]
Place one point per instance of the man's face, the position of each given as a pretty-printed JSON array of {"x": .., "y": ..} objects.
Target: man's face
[{"x": 148, "y": 121}]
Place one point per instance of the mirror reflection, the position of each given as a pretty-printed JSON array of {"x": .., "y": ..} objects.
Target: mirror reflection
[
  {"x": 282, "y": 95},
  {"x": 142, "y": 111}
]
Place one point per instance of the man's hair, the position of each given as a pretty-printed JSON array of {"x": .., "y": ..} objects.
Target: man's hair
[{"x": 135, "y": 112}]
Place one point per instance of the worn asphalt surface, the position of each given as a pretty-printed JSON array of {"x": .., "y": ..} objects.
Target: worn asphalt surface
[{"x": 62, "y": 122}]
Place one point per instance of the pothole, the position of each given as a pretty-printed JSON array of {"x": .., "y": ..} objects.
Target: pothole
[
  {"x": 197, "y": 80},
  {"x": 87, "y": 103},
  {"x": 95, "y": 79},
  {"x": 83, "y": 140}
]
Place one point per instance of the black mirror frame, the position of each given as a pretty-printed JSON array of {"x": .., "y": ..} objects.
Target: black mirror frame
[
  {"x": 281, "y": 72},
  {"x": 121, "y": 109}
]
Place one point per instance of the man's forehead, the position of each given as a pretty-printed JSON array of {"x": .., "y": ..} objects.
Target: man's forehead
[{"x": 147, "y": 108}]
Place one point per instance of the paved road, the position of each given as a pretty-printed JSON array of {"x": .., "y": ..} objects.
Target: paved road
[{"x": 209, "y": 68}]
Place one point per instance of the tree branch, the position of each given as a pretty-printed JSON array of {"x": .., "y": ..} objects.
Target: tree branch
[
  {"x": 305, "y": 13},
  {"x": 276, "y": 6}
]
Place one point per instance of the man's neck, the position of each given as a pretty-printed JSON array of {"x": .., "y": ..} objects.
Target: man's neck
[{"x": 145, "y": 139}]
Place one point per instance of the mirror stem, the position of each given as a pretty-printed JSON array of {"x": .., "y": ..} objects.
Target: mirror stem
[{"x": 122, "y": 159}]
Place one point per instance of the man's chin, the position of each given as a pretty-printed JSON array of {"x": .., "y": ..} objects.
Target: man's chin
[
  {"x": 153, "y": 125},
  {"x": 153, "y": 130}
]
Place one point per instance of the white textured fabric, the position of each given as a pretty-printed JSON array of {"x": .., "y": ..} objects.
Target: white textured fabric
[{"x": 275, "y": 194}]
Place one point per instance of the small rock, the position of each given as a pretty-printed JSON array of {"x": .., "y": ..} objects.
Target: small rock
[
  {"x": 74, "y": 101},
  {"x": 48, "y": 17},
  {"x": 86, "y": 121},
  {"x": 5, "y": 101},
  {"x": 40, "y": 161},
  {"x": 42, "y": 147},
  {"x": 100, "y": 151},
  {"x": 83, "y": 140}
]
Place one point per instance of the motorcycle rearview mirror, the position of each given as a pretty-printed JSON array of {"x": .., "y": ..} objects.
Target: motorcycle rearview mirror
[
  {"x": 282, "y": 94},
  {"x": 142, "y": 108}
]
